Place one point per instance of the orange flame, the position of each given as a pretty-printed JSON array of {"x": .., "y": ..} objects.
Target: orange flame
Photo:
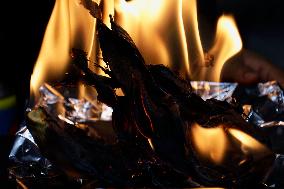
[
  {"x": 70, "y": 25},
  {"x": 88, "y": 93},
  {"x": 227, "y": 43},
  {"x": 210, "y": 142},
  {"x": 141, "y": 19},
  {"x": 193, "y": 41},
  {"x": 166, "y": 32},
  {"x": 248, "y": 142},
  {"x": 213, "y": 143}
]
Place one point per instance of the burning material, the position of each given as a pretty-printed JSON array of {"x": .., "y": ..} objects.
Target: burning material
[
  {"x": 213, "y": 150},
  {"x": 181, "y": 47},
  {"x": 63, "y": 32},
  {"x": 155, "y": 138},
  {"x": 227, "y": 43},
  {"x": 158, "y": 106}
]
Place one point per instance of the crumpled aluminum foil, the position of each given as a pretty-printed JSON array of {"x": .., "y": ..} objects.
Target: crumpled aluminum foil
[
  {"x": 219, "y": 91},
  {"x": 263, "y": 106},
  {"x": 28, "y": 162},
  {"x": 71, "y": 110},
  {"x": 263, "y": 103},
  {"x": 25, "y": 149}
]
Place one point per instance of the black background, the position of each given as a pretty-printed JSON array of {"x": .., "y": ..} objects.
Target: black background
[
  {"x": 260, "y": 23},
  {"x": 22, "y": 27}
]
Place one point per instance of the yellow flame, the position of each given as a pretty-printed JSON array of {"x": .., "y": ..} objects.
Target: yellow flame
[
  {"x": 182, "y": 34},
  {"x": 210, "y": 142},
  {"x": 213, "y": 143},
  {"x": 166, "y": 32},
  {"x": 153, "y": 25},
  {"x": 70, "y": 25},
  {"x": 88, "y": 93},
  {"x": 193, "y": 41},
  {"x": 54, "y": 52},
  {"x": 227, "y": 43},
  {"x": 248, "y": 142},
  {"x": 108, "y": 9}
]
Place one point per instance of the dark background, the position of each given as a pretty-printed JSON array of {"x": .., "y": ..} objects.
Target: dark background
[
  {"x": 22, "y": 27},
  {"x": 260, "y": 23},
  {"x": 23, "y": 24}
]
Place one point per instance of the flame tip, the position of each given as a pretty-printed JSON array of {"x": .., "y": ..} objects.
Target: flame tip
[{"x": 68, "y": 26}]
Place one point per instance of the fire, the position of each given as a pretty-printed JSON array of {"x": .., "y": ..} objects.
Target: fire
[
  {"x": 213, "y": 143},
  {"x": 157, "y": 28},
  {"x": 88, "y": 93},
  {"x": 54, "y": 51},
  {"x": 166, "y": 32},
  {"x": 227, "y": 43},
  {"x": 70, "y": 25},
  {"x": 193, "y": 41},
  {"x": 210, "y": 142},
  {"x": 248, "y": 142},
  {"x": 141, "y": 19}
]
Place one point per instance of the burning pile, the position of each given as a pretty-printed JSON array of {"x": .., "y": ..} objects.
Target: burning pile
[{"x": 162, "y": 133}]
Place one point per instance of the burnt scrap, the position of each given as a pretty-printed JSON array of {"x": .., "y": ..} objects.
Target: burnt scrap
[{"x": 149, "y": 142}]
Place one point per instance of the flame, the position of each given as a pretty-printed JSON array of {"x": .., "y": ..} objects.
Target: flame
[
  {"x": 88, "y": 93},
  {"x": 108, "y": 9},
  {"x": 155, "y": 26},
  {"x": 141, "y": 20},
  {"x": 193, "y": 41},
  {"x": 210, "y": 142},
  {"x": 248, "y": 142},
  {"x": 227, "y": 43},
  {"x": 213, "y": 143},
  {"x": 70, "y": 25},
  {"x": 54, "y": 52},
  {"x": 166, "y": 32}
]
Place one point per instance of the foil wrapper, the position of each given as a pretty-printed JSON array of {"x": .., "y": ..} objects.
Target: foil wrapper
[
  {"x": 30, "y": 169},
  {"x": 71, "y": 109},
  {"x": 219, "y": 91},
  {"x": 30, "y": 165},
  {"x": 262, "y": 104},
  {"x": 263, "y": 107},
  {"x": 25, "y": 149}
]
